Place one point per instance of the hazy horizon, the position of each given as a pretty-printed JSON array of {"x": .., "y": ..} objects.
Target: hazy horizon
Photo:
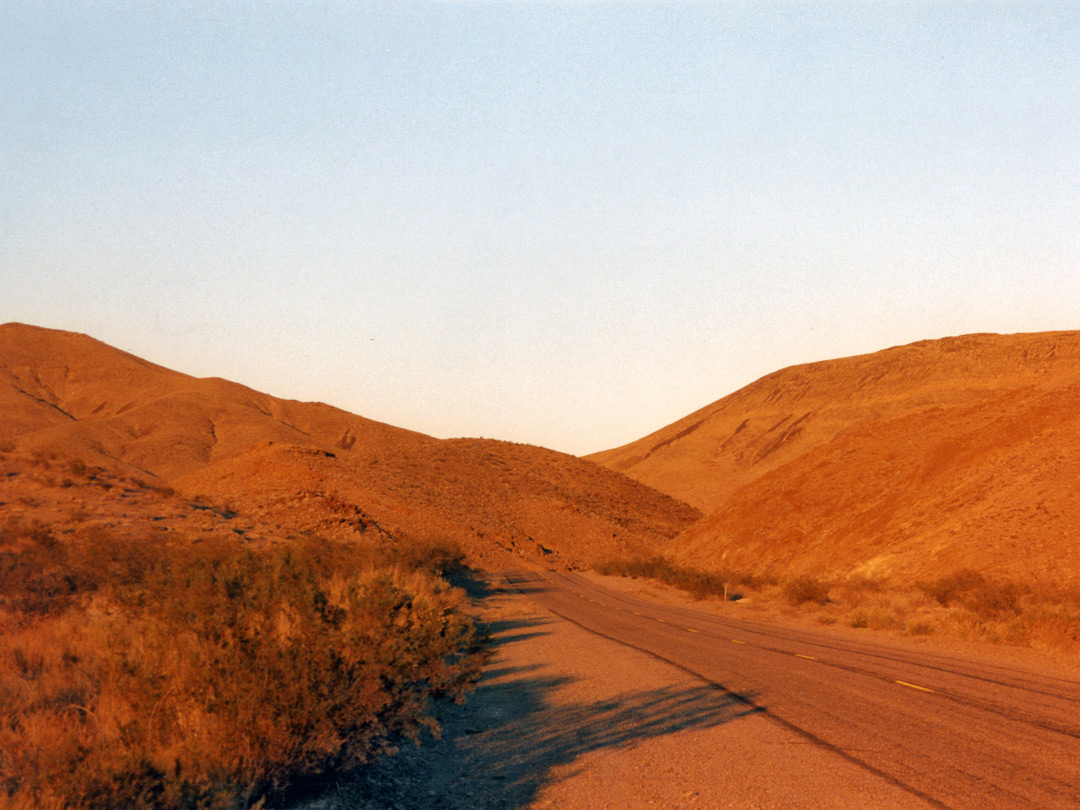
[{"x": 567, "y": 224}]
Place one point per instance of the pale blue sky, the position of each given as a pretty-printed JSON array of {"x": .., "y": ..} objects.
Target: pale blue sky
[{"x": 567, "y": 224}]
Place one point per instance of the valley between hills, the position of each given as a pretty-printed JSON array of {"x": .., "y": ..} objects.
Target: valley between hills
[
  {"x": 902, "y": 465},
  {"x": 925, "y": 491}
]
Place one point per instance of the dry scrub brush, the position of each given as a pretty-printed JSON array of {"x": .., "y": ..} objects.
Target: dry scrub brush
[
  {"x": 998, "y": 609},
  {"x": 805, "y": 589},
  {"x": 967, "y": 603},
  {"x": 699, "y": 584},
  {"x": 138, "y": 675}
]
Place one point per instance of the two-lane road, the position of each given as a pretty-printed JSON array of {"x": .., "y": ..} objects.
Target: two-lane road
[{"x": 956, "y": 733}]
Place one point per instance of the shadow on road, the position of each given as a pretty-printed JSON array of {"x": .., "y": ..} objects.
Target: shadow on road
[{"x": 499, "y": 749}]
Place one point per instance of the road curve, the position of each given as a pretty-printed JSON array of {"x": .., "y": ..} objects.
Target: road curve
[{"x": 957, "y": 734}]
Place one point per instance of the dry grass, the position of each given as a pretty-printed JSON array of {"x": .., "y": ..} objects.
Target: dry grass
[
  {"x": 875, "y": 618},
  {"x": 962, "y": 604},
  {"x": 205, "y": 675},
  {"x": 806, "y": 589},
  {"x": 988, "y": 598},
  {"x": 855, "y": 591},
  {"x": 699, "y": 584},
  {"x": 920, "y": 628}
]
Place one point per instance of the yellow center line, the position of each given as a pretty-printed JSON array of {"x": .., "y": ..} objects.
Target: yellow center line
[
  {"x": 734, "y": 641},
  {"x": 914, "y": 686},
  {"x": 635, "y": 612},
  {"x": 691, "y": 630},
  {"x": 807, "y": 657},
  {"x": 660, "y": 620}
]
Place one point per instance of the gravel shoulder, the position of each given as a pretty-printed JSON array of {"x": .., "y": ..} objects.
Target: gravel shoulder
[{"x": 564, "y": 718}]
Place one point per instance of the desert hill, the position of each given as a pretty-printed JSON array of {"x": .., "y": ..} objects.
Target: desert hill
[
  {"x": 308, "y": 467},
  {"x": 913, "y": 461},
  {"x": 486, "y": 495},
  {"x": 69, "y": 394}
]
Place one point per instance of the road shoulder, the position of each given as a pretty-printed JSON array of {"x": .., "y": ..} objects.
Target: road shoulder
[
  {"x": 564, "y": 718},
  {"x": 1053, "y": 663}
]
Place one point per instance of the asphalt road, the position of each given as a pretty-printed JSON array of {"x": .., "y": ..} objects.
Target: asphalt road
[{"x": 955, "y": 733}]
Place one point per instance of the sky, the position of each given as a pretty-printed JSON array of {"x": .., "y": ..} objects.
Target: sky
[{"x": 561, "y": 223}]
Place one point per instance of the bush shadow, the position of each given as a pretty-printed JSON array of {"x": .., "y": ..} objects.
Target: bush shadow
[{"x": 503, "y": 746}]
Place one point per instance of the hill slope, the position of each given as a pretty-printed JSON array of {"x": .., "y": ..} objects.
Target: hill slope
[
  {"x": 69, "y": 394},
  {"x": 908, "y": 462},
  {"x": 313, "y": 468}
]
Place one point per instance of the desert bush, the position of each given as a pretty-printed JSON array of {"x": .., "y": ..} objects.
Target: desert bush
[
  {"x": 920, "y": 628},
  {"x": 964, "y": 622},
  {"x": 988, "y": 598},
  {"x": 699, "y": 584},
  {"x": 882, "y": 618},
  {"x": 949, "y": 588},
  {"x": 209, "y": 676},
  {"x": 37, "y": 575},
  {"x": 996, "y": 600},
  {"x": 1047, "y": 626},
  {"x": 855, "y": 590},
  {"x": 437, "y": 556},
  {"x": 875, "y": 618},
  {"x": 806, "y": 589}
]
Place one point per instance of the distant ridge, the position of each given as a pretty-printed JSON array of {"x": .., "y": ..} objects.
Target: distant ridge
[
  {"x": 960, "y": 452},
  {"x": 312, "y": 467},
  {"x": 69, "y": 393}
]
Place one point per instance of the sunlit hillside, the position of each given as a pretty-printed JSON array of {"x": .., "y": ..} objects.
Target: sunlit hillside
[
  {"x": 308, "y": 467},
  {"x": 906, "y": 463}
]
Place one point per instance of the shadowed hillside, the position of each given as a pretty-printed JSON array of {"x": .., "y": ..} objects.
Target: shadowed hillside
[
  {"x": 309, "y": 467},
  {"x": 905, "y": 463}
]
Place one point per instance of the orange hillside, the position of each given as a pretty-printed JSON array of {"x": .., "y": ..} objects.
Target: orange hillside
[
  {"x": 313, "y": 468},
  {"x": 909, "y": 462}
]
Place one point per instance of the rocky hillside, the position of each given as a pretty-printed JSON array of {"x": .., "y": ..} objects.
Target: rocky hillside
[
  {"x": 308, "y": 467},
  {"x": 962, "y": 452}
]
